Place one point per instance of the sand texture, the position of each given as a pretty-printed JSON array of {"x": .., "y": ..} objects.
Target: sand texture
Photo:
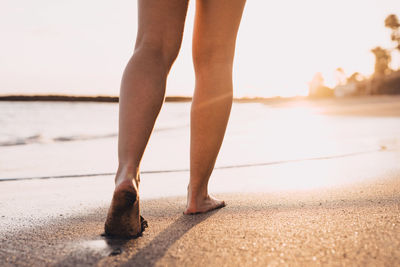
[{"x": 352, "y": 225}]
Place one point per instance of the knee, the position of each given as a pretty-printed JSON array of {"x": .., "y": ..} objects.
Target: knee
[
  {"x": 211, "y": 58},
  {"x": 158, "y": 50}
]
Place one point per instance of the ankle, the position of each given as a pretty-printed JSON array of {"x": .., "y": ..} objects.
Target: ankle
[
  {"x": 197, "y": 193},
  {"x": 127, "y": 173}
]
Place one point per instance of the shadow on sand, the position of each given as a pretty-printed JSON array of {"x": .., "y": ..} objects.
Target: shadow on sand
[{"x": 156, "y": 249}]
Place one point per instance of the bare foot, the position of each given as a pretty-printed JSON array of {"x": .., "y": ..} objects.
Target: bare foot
[
  {"x": 204, "y": 205},
  {"x": 123, "y": 218}
]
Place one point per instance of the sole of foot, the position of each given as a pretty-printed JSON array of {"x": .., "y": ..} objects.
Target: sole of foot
[{"x": 123, "y": 218}]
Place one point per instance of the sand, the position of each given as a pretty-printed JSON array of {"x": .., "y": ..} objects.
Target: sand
[{"x": 356, "y": 223}]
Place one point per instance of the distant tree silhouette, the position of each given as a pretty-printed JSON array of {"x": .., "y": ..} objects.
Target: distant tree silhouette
[
  {"x": 382, "y": 61},
  {"x": 355, "y": 77},
  {"x": 385, "y": 80},
  {"x": 392, "y": 22}
]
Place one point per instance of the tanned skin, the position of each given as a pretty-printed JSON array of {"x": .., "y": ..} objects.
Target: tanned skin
[{"x": 160, "y": 30}]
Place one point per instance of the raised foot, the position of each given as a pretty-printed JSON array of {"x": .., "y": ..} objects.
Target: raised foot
[
  {"x": 204, "y": 205},
  {"x": 123, "y": 218}
]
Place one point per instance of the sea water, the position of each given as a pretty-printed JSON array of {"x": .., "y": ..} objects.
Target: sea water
[{"x": 47, "y": 139}]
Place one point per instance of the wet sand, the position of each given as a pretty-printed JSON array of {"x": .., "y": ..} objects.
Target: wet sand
[{"x": 60, "y": 221}]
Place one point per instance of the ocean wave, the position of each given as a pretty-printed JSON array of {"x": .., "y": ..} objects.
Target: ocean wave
[{"x": 40, "y": 139}]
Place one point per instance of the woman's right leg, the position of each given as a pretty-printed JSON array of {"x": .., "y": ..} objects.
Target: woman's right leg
[{"x": 159, "y": 37}]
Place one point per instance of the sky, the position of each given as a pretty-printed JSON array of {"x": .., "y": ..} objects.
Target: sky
[{"x": 81, "y": 47}]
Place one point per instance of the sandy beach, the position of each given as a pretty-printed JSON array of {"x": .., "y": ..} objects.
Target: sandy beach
[
  {"x": 345, "y": 225},
  {"x": 334, "y": 204},
  {"x": 174, "y": 133}
]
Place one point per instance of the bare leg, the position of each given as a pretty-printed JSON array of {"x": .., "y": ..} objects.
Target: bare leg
[
  {"x": 215, "y": 30},
  {"x": 142, "y": 93}
]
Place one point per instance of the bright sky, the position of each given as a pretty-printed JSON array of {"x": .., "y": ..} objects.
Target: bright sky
[{"x": 81, "y": 47}]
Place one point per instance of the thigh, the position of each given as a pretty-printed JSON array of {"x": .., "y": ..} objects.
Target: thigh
[
  {"x": 161, "y": 23},
  {"x": 216, "y": 26}
]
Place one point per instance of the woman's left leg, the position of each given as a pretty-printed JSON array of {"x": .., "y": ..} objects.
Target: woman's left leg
[{"x": 214, "y": 38}]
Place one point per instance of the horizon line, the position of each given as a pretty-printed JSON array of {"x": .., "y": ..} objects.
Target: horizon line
[{"x": 115, "y": 99}]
